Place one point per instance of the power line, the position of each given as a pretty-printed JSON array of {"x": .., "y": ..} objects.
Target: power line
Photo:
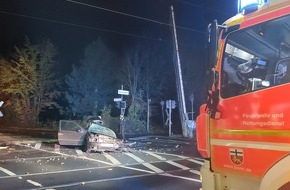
[
  {"x": 86, "y": 27},
  {"x": 77, "y": 25},
  {"x": 130, "y": 15}
]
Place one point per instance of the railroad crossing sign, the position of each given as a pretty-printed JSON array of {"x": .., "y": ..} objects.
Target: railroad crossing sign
[
  {"x": 1, "y": 103},
  {"x": 170, "y": 104}
]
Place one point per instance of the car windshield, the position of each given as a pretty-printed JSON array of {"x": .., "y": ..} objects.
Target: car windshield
[{"x": 96, "y": 128}]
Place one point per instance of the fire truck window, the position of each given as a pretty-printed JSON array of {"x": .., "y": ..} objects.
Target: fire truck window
[{"x": 256, "y": 58}]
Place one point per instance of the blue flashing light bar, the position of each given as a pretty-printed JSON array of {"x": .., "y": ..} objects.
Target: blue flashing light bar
[{"x": 247, "y": 6}]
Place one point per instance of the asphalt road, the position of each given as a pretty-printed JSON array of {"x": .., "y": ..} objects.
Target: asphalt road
[{"x": 148, "y": 163}]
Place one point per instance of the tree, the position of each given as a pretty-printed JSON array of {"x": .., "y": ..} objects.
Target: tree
[
  {"x": 146, "y": 72},
  {"x": 91, "y": 84},
  {"x": 28, "y": 77},
  {"x": 155, "y": 75}
]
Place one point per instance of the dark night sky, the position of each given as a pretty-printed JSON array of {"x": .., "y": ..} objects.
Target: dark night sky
[{"x": 72, "y": 26}]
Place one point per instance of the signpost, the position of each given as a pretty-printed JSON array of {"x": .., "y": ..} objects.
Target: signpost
[{"x": 123, "y": 106}]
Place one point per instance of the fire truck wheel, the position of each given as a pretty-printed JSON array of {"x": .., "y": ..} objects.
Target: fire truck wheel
[
  {"x": 277, "y": 176},
  {"x": 285, "y": 187}
]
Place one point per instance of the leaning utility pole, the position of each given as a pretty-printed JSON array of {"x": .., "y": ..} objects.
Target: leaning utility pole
[{"x": 179, "y": 82}]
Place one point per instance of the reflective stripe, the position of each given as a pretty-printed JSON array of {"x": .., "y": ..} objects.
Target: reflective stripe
[
  {"x": 282, "y": 133},
  {"x": 252, "y": 144}
]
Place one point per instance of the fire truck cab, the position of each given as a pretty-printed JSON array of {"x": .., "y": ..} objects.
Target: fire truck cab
[{"x": 243, "y": 131}]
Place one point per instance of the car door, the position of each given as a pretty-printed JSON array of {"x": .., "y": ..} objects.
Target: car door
[{"x": 71, "y": 133}]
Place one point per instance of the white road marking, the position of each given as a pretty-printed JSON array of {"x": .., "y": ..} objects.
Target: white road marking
[
  {"x": 57, "y": 151},
  {"x": 155, "y": 155},
  {"x": 153, "y": 168},
  {"x": 112, "y": 159},
  {"x": 115, "y": 179},
  {"x": 195, "y": 172},
  {"x": 34, "y": 183},
  {"x": 73, "y": 156},
  {"x": 37, "y": 145},
  {"x": 79, "y": 152},
  {"x": 148, "y": 165},
  {"x": 13, "y": 174},
  {"x": 177, "y": 165},
  {"x": 195, "y": 161},
  {"x": 76, "y": 170},
  {"x": 135, "y": 157},
  {"x": 56, "y": 148},
  {"x": 7, "y": 171},
  {"x": 95, "y": 181},
  {"x": 136, "y": 169},
  {"x": 179, "y": 156}
]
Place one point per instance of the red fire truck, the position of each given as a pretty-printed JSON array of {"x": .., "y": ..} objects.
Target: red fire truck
[{"x": 243, "y": 131}]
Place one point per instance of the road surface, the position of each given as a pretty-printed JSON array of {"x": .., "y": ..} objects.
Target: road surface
[{"x": 149, "y": 163}]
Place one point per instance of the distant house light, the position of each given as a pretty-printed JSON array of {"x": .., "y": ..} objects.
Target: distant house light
[{"x": 247, "y": 6}]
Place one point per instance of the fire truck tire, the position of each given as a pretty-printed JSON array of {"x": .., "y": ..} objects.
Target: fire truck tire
[
  {"x": 277, "y": 176},
  {"x": 285, "y": 187}
]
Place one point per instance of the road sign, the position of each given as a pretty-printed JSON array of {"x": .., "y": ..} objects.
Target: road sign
[
  {"x": 117, "y": 99},
  {"x": 123, "y": 92}
]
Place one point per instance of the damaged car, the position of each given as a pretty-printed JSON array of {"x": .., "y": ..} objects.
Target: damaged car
[{"x": 94, "y": 136}]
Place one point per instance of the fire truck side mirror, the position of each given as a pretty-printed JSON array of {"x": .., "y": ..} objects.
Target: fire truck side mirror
[{"x": 212, "y": 43}]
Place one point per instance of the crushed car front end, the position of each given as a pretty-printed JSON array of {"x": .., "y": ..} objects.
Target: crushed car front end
[
  {"x": 99, "y": 143},
  {"x": 101, "y": 139}
]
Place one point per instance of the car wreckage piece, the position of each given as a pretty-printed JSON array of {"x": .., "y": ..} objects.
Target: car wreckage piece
[{"x": 93, "y": 137}]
